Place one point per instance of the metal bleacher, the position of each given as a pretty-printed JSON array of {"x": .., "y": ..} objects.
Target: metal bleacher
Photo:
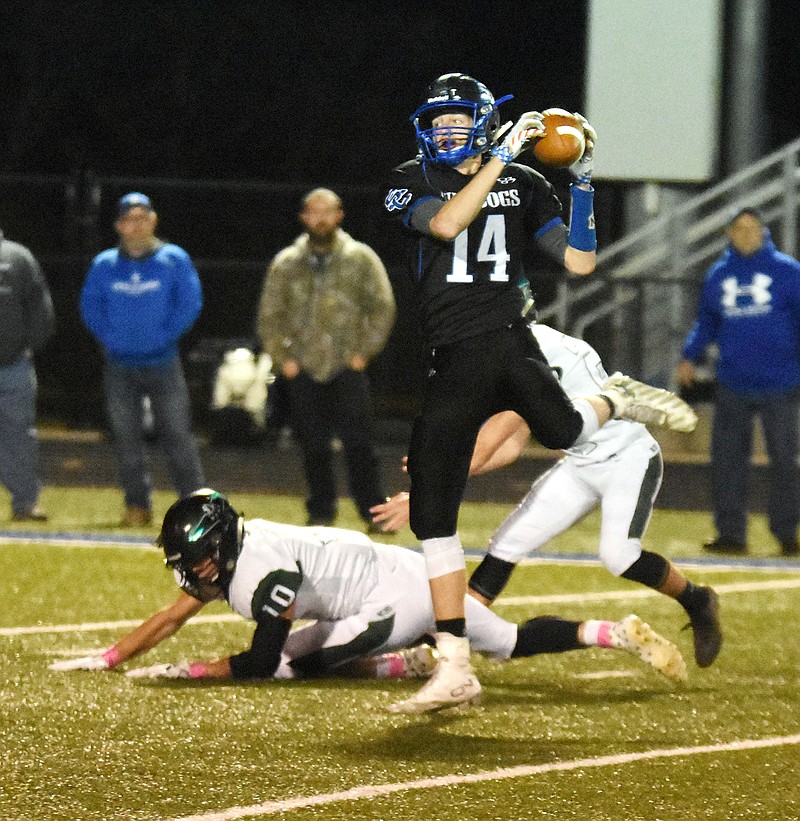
[{"x": 643, "y": 296}]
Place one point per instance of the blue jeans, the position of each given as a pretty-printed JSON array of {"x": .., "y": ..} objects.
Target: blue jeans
[
  {"x": 19, "y": 445},
  {"x": 731, "y": 446},
  {"x": 169, "y": 398}
]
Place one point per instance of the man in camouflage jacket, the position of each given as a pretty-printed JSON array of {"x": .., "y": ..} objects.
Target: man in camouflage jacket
[{"x": 326, "y": 310}]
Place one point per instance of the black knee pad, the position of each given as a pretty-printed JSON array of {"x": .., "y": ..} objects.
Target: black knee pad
[
  {"x": 491, "y": 576},
  {"x": 649, "y": 569}
]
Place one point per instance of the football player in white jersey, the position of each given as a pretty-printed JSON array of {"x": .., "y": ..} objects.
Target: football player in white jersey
[
  {"x": 366, "y": 600},
  {"x": 619, "y": 468}
]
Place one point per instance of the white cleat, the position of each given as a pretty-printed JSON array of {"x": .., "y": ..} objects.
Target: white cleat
[
  {"x": 420, "y": 661},
  {"x": 652, "y": 406},
  {"x": 453, "y": 684},
  {"x": 638, "y": 638}
]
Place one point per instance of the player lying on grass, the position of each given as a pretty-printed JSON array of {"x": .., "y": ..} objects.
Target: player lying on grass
[
  {"x": 367, "y": 600},
  {"x": 619, "y": 467}
]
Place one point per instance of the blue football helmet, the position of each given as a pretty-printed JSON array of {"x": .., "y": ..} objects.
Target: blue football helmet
[
  {"x": 457, "y": 93},
  {"x": 200, "y": 526}
]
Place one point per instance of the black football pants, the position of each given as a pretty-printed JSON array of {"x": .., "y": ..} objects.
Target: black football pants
[{"x": 468, "y": 382}]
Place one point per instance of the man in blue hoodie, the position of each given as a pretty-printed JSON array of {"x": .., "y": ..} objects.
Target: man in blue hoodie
[
  {"x": 750, "y": 307},
  {"x": 138, "y": 300}
]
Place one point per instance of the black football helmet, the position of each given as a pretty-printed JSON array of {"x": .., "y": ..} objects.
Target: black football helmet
[
  {"x": 201, "y": 526},
  {"x": 457, "y": 93}
]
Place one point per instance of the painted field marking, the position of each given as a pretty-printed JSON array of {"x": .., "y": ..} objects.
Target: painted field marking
[
  {"x": 562, "y": 598},
  {"x": 93, "y": 626},
  {"x": 611, "y": 595},
  {"x": 522, "y": 771},
  {"x": 76, "y": 539},
  {"x": 111, "y": 540}
]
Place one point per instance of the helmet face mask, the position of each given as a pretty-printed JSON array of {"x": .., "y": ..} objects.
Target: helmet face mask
[
  {"x": 452, "y": 144},
  {"x": 196, "y": 528}
]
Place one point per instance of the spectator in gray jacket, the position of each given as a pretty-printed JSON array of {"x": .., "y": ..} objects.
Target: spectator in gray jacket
[{"x": 26, "y": 323}]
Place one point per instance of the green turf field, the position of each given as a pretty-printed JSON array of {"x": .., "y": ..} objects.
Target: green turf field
[{"x": 585, "y": 735}]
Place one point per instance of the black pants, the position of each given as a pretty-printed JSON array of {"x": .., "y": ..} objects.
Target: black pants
[
  {"x": 468, "y": 382},
  {"x": 341, "y": 407},
  {"x": 731, "y": 450}
]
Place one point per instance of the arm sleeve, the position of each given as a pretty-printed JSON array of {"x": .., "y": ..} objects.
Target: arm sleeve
[
  {"x": 38, "y": 306},
  {"x": 187, "y": 298},
  {"x": 93, "y": 307},
  {"x": 704, "y": 331},
  {"x": 273, "y": 329},
  {"x": 264, "y": 655},
  {"x": 378, "y": 305},
  {"x": 553, "y": 240},
  {"x": 425, "y": 211},
  {"x": 544, "y": 215}
]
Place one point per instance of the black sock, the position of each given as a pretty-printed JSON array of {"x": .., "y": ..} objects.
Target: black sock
[
  {"x": 546, "y": 634},
  {"x": 687, "y": 599},
  {"x": 456, "y": 627}
]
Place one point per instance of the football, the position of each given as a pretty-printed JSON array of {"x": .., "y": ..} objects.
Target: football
[{"x": 563, "y": 141}]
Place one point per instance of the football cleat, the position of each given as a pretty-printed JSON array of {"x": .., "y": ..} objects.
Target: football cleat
[
  {"x": 453, "y": 684},
  {"x": 643, "y": 403},
  {"x": 420, "y": 661},
  {"x": 638, "y": 638},
  {"x": 704, "y": 621}
]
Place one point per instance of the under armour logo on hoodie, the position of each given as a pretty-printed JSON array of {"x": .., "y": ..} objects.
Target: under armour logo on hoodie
[{"x": 758, "y": 292}]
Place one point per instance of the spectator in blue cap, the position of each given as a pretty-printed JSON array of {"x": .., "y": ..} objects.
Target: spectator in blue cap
[
  {"x": 138, "y": 300},
  {"x": 750, "y": 308}
]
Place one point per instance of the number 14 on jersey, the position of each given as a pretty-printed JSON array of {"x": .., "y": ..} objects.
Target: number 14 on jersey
[{"x": 491, "y": 248}]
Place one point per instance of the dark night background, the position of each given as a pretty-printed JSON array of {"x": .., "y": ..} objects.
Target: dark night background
[{"x": 227, "y": 112}]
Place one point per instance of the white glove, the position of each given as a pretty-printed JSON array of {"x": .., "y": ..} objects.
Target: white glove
[
  {"x": 528, "y": 127},
  {"x": 180, "y": 670},
  {"x": 85, "y": 663},
  {"x": 582, "y": 169}
]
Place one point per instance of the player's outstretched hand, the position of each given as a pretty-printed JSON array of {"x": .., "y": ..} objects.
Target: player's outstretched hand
[
  {"x": 180, "y": 670},
  {"x": 527, "y": 128},
  {"x": 582, "y": 169},
  {"x": 84, "y": 663},
  {"x": 392, "y": 514}
]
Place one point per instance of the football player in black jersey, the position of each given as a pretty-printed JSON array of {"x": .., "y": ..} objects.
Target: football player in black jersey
[{"x": 471, "y": 211}]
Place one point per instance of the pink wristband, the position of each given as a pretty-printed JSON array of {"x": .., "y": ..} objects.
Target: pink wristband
[
  {"x": 197, "y": 669},
  {"x": 111, "y": 657}
]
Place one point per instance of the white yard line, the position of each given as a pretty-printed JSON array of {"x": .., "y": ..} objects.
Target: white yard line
[
  {"x": 93, "y": 626},
  {"x": 375, "y": 790},
  {"x": 78, "y": 540},
  {"x": 560, "y": 598},
  {"x": 123, "y": 541},
  {"x": 613, "y": 595}
]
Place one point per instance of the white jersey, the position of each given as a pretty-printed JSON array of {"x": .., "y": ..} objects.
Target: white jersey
[
  {"x": 327, "y": 572},
  {"x": 581, "y": 373},
  {"x": 618, "y": 468},
  {"x": 364, "y": 598}
]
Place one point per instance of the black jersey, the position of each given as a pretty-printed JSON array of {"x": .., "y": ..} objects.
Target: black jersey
[{"x": 472, "y": 284}]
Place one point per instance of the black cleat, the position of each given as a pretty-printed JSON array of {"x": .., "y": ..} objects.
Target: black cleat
[
  {"x": 704, "y": 621},
  {"x": 790, "y": 548},
  {"x": 721, "y": 545}
]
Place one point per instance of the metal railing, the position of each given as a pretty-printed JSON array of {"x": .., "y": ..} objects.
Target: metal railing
[{"x": 645, "y": 289}]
